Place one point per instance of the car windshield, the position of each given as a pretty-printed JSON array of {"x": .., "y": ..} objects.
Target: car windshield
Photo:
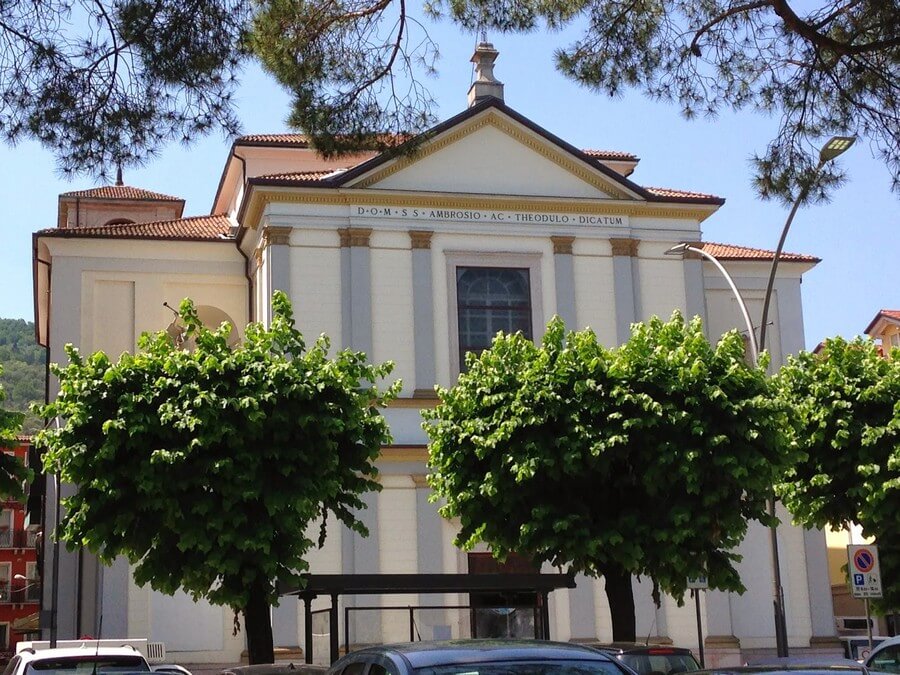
[
  {"x": 660, "y": 664},
  {"x": 87, "y": 665},
  {"x": 537, "y": 667}
]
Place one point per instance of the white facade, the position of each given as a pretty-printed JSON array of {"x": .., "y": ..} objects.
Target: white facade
[{"x": 369, "y": 257}]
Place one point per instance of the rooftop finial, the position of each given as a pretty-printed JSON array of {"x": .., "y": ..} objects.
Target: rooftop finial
[
  {"x": 485, "y": 83},
  {"x": 119, "y": 175}
]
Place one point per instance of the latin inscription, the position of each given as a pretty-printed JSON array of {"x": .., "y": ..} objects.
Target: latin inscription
[{"x": 487, "y": 216}]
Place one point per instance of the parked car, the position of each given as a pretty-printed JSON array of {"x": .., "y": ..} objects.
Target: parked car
[
  {"x": 89, "y": 657},
  {"x": 479, "y": 657},
  {"x": 886, "y": 656},
  {"x": 794, "y": 666},
  {"x": 856, "y": 647},
  {"x": 646, "y": 659}
]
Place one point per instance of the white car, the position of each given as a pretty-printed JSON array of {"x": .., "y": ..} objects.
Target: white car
[
  {"x": 89, "y": 658},
  {"x": 885, "y": 657}
]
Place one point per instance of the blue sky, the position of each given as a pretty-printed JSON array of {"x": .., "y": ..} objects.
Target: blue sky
[{"x": 857, "y": 235}]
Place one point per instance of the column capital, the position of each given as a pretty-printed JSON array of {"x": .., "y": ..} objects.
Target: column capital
[
  {"x": 562, "y": 245},
  {"x": 420, "y": 238},
  {"x": 277, "y": 236},
  {"x": 624, "y": 246},
  {"x": 691, "y": 255},
  {"x": 421, "y": 481},
  {"x": 355, "y": 236}
]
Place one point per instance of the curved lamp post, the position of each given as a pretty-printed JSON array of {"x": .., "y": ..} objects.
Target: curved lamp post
[
  {"x": 833, "y": 148},
  {"x": 777, "y": 588}
]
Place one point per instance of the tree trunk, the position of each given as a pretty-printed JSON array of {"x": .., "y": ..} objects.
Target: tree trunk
[
  {"x": 258, "y": 624},
  {"x": 620, "y": 595}
]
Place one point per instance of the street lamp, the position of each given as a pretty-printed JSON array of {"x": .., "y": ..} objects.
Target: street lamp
[
  {"x": 684, "y": 247},
  {"x": 835, "y": 147},
  {"x": 777, "y": 589}
]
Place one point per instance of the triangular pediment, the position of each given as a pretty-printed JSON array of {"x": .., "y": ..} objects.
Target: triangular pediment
[{"x": 492, "y": 152}]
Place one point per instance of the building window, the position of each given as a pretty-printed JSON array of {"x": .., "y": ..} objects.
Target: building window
[
  {"x": 488, "y": 293},
  {"x": 6, "y": 529},
  {"x": 895, "y": 340},
  {"x": 489, "y": 300}
]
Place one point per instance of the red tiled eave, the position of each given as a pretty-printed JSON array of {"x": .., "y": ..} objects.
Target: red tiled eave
[
  {"x": 686, "y": 195},
  {"x": 612, "y": 155},
  {"x": 731, "y": 252},
  {"x": 198, "y": 228},
  {"x": 124, "y": 192},
  {"x": 302, "y": 141},
  {"x": 892, "y": 315}
]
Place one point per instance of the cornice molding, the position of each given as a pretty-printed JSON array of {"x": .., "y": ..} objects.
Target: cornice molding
[
  {"x": 420, "y": 238},
  {"x": 332, "y": 197},
  {"x": 624, "y": 247},
  {"x": 355, "y": 236},
  {"x": 562, "y": 245},
  {"x": 414, "y": 402},
  {"x": 404, "y": 453}
]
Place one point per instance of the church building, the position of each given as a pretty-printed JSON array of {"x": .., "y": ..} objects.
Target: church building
[{"x": 494, "y": 223}]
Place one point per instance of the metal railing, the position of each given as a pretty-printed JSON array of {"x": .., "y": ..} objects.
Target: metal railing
[
  {"x": 17, "y": 538},
  {"x": 20, "y": 592}
]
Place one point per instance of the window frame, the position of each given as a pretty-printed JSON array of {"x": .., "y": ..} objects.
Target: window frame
[{"x": 530, "y": 261}]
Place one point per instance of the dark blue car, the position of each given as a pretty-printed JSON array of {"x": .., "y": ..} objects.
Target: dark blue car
[{"x": 479, "y": 657}]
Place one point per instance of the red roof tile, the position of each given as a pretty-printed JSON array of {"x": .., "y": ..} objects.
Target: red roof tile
[
  {"x": 611, "y": 155},
  {"x": 302, "y": 176},
  {"x": 302, "y": 141},
  {"x": 678, "y": 194},
  {"x": 121, "y": 192},
  {"x": 299, "y": 140},
  {"x": 198, "y": 228},
  {"x": 731, "y": 252},
  {"x": 891, "y": 314}
]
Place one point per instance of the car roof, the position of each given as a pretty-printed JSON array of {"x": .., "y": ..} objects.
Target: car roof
[
  {"x": 428, "y": 654},
  {"x": 637, "y": 648},
  {"x": 77, "y": 652},
  {"x": 889, "y": 642},
  {"x": 833, "y": 667}
]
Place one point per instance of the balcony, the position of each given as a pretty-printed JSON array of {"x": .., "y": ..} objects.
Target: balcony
[
  {"x": 20, "y": 592},
  {"x": 17, "y": 538}
]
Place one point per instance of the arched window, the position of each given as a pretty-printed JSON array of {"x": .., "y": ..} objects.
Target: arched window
[
  {"x": 491, "y": 299},
  {"x": 118, "y": 221}
]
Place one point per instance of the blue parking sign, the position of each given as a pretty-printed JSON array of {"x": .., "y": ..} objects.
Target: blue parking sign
[{"x": 859, "y": 580}]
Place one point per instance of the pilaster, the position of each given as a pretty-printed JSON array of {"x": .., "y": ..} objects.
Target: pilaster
[
  {"x": 565, "y": 280},
  {"x": 626, "y": 285}
]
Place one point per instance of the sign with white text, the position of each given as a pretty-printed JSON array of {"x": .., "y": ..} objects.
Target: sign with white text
[{"x": 865, "y": 574}]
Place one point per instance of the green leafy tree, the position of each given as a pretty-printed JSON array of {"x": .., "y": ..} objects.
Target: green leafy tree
[
  {"x": 832, "y": 66},
  {"x": 208, "y": 469},
  {"x": 23, "y": 370},
  {"x": 846, "y": 422},
  {"x": 12, "y": 472},
  {"x": 646, "y": 460},
  {"x": 102, "y": 82}
]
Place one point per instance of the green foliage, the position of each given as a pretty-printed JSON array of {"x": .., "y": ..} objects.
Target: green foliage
[
  {"x": 12, "y": 472},
  {"x": 106, "y": 82},
  {"x": 102, "y": 83},
  {"x": 845, "y": 404},
  {"x": 652, "y": 456},
  {"x": 22, "y": 376},
  {"x": 208, "y": 469}
]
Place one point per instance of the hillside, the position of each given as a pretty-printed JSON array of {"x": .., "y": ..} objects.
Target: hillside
[{"x": 22, "y": 361}]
